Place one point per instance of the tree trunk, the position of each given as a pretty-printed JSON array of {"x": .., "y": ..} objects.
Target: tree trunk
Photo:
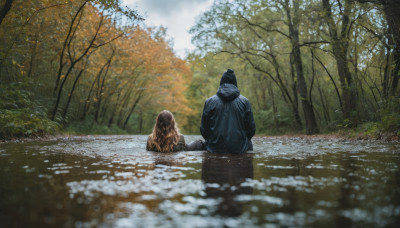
[
  {"x": 295, "y": 103},
  {"x": 333, "y": 82},
  {"x": 309, "y": 116},
  {"x": 324, "y": 106},
  {"x": 392, "y": 10},
  {"x": 255, "y": 86},
  {"x": 141, "y": 122},
  {"x": 100, "y": 95},
  {"x": 274, "y": 108},
  {"x": 5, "y": 9},
  {"x": 114, "y": 110},
  {"x": 33, "y": 56},
  {"x": 71, "y": 93},
  {"x": 73, "y": 62},
  {"x": 124, "y": 103},
  {"x": 87, "y": 101},
  {"x": 346, "y": 82},
  {"x": 55, "y": 109},
  {"x": 119, "y": 120},
  {"x": 385, "y": 82},
  {"x": 105, "y": 107},
  {"x": 340, "y": 45},
  {"x": 132, "y": 109},
  {"x": 67, "y": 40}
]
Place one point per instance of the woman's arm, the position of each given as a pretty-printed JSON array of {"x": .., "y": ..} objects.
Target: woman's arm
[{"x": 181, "y": 145}]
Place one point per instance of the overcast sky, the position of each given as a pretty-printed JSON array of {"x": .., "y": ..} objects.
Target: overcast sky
[{"x": 178, "y": 16}]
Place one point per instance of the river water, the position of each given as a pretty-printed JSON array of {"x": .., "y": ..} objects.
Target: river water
[{"x": 112, "y": 181}]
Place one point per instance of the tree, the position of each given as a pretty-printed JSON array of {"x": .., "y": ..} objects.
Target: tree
[
  {"x": 6, "y": 7},
  {"x": 243, "y": 30},
  {"x": 340, "y": 47},
  {"x": 293, "y": 22},
  {"x": 391, "y": 8}
]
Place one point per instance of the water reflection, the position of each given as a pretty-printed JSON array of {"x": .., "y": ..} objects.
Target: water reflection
[
  {"x": 114, "y": 182},
  {"x": 166, "y": 159},
  {"x": 223, "y": 175}
]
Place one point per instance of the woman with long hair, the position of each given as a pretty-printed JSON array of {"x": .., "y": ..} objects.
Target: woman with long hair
[{"x": 166, "y": 136}]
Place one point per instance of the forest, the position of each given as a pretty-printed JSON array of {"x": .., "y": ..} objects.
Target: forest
[{"x": 94, "y": 67}]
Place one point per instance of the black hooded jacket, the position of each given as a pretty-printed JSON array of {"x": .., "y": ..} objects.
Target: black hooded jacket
[{"x": 227, "y": 123}]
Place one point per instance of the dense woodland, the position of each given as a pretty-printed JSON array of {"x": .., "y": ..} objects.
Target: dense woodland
[{"x": 93, "y": 66}]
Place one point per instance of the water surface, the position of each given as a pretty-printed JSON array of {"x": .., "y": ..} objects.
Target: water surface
[{"x": 112, "y": 181}]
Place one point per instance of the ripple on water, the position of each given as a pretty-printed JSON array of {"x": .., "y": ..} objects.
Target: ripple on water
[{"x": 112, "y": 181}]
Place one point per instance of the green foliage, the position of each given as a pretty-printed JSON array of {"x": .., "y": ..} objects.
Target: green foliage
[
  {"x": 135, "y": 66},
  {"x": 89, "y": 126},
  {"x": 390, "y": 116},
  {"x": 274, "y": 124},
  {"x": 52, "y": 45},
  {"x": 258, "y": 33},
  {"x": 21, "y": 115},
  {"x": 368, "y": 128}
]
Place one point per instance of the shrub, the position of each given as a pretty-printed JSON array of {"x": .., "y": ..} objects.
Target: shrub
[
  {"x": 21, "y": 115},
  {"x": 89, "y": 126},
  {"x": 390, "y": 116},
  {"x": 268, "y": 123}
]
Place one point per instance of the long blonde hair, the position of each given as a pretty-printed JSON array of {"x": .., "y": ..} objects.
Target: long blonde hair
[{"x": 165, "y": 132}]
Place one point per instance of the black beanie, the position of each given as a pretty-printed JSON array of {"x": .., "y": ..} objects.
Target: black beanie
[{"x": 228, "y": 77}]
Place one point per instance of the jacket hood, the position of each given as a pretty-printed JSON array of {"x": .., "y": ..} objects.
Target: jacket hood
[
  {"x": 228, "y": 77},
  {"x": 228, "y": 92}
]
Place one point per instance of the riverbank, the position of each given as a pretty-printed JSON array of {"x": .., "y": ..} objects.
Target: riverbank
[
  {"x": 341, "y": 136},
  {"x": 389, "y": 137}
]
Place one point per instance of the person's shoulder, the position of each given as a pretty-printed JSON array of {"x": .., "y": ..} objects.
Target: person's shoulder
[
  {"x": 212, "y": 98},
  {"x": 181, "y": 144},
  {"x": 243, "y": 98}
]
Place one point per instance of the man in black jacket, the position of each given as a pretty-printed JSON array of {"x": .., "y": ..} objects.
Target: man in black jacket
[{"x": 227, "y": 123}]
